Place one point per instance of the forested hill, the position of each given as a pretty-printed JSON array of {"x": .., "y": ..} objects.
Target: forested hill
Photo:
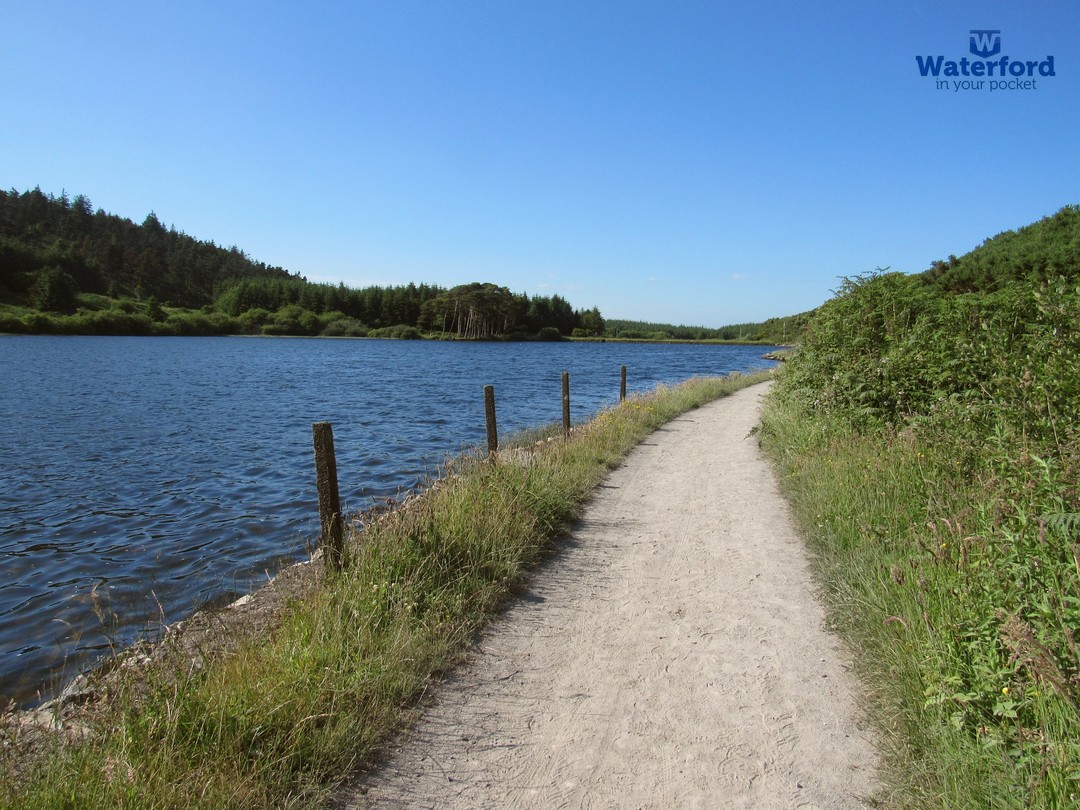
[
  {"x": 67, "y": 268},
  {"x": 1044, "y": 250},
  {"x": 110, "y": 255},
  {"x": 782, "y": 330}
]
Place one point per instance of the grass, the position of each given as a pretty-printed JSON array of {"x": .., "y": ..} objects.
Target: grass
[
  {"x": 960, "y": 591},
  {"x": 279, "y": 722}
]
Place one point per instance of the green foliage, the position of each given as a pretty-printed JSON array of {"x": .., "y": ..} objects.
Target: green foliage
[
  {"x": 292, "y": 320},
  {"x": 399, "y": 332},
  {"x": 592, "y": 323},
  {"x": 252, "y": 321},
  {"x": 10, "y": 323},
  {"x": 18, "y": 262},
  {"x": 344, "y": 327},
  {"x": 166, "y": 270},
  {"x": 775, "y": 330},
  {"x": 929, "y": 441},
  {"x": 468, "y": 311},
  {"x": 55, "y": 291},
  {"x": 107, "y": 322},
  {"x": 200, "y": 323},
  {"x": 105, "y": 253},
  {"x": 1040, "y": 252},
  {"x": 474, "y": 311}
]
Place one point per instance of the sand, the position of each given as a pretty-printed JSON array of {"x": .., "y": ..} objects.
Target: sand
[{"x": 672, "y": 653}]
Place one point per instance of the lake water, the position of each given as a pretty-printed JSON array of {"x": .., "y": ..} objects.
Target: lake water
[{"x": 142, "y": 478}]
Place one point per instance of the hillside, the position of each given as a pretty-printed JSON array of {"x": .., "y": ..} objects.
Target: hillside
[
  {"x": 65, "y": 268},
  {"x": 1043, "y": 250},
  {"x": 110, "y": 255},
  {"x": 926, "y": 430},
  {"x": 782, "y": 330}
]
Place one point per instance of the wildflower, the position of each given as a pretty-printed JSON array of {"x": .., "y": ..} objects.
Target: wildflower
[{"x": 1004, "y": 690}]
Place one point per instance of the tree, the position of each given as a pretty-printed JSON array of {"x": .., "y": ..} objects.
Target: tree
[
  {"x": 55, "y": 291},
  {"x": 592, "y": 323},
  {"x": 480, "y": 310}
]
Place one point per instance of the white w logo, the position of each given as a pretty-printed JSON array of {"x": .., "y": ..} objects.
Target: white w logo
[{"x": 985, "y": 43}]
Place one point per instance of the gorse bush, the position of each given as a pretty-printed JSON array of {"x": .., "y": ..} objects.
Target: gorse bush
[{"x": 930, "y": 443}]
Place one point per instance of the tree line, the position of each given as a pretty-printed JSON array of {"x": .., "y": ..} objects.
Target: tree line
[
  {"x": 65, "y": 267},
  {"x": 780, "y": 330},
  {"x": 68, "y": 268},
  {"x": 95, "y": 252}
]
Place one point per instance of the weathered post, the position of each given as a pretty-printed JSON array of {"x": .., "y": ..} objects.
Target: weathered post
[
  {"x": 566, "y": 403},
  {"x": 489, "y": 410},
  {"x": 333, "y": 534},
  {"x": 622, "y": 385}
]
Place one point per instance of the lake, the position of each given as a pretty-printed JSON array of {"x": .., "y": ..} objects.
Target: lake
[{"x": 143, "y": 478}]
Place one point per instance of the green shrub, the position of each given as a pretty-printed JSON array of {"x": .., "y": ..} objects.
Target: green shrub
[
  {"x": 345, "y": 327},
  {"x": 199, "y": 323},
  {"x": 10, "y": 321},
  {"x": 37, "y": 323},
  {"x": 107, "y": 322},
  {"x": 930, "y": 445},
  {"x": 252, "y": 321},
  {"x": 399, "y": 332}
]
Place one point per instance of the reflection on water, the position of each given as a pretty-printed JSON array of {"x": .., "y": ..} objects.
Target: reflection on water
[{"x": 142, "y": 478}]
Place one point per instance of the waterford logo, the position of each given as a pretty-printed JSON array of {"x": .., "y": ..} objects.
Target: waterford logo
[
  {"x": 1004, "y": 73},
  {"x": 985, "y": 43}
]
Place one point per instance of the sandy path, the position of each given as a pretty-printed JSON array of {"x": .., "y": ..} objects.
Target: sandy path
[{"x": 672, "y": 654}]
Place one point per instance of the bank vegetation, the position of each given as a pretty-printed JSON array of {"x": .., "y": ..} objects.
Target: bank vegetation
[{"x": 926, "y": 433}]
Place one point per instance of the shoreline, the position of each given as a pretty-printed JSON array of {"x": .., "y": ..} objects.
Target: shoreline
[{"x": 137, "y": 677}]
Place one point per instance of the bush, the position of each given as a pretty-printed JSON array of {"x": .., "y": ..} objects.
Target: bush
[
  {"x": 549, "y": 333},
  {"x": 345, "y": 327},
  {"x": 37, "y": 323},
  {"x": 198, "y": 323},
  {"x": 399, "y": 332},
  {"x": 11, "y": 323},
  {"x": 108, "y": 322},
  {"x": 252, "y": 321},
  {"x": 931, "y": 446},
  {"x": 292, "y": 320}
]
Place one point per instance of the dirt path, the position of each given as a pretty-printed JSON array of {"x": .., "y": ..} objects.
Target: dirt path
[{"x": 672, "y": 654}]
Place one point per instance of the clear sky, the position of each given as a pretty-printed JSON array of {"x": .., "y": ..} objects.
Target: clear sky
[{"x": 701, "y": 163}]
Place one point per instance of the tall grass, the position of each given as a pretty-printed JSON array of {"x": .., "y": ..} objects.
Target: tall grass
[
  {"x": 279, "y": 722},
  {"x": 930, "y": 450}
]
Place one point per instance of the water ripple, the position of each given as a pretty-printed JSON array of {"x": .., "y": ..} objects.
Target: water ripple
[{"x": 141, "y": 478}]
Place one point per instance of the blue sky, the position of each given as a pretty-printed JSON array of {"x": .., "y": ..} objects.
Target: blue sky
[{"x": 688, "y": 162}]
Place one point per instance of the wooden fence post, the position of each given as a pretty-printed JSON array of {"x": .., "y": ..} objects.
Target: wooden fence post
[
  {"x": 489, "y": 411},
  {"x": 622, "y": 385},
  {"x": 333, "y": 534},
  {"x": 566, "y": 403}
]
